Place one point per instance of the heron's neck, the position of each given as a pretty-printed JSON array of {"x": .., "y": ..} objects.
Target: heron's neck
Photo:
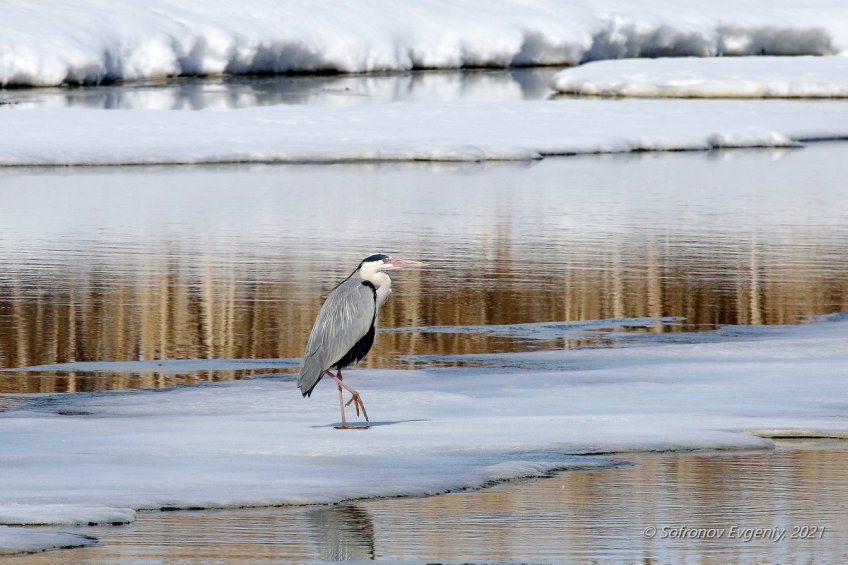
[{"x": 382, "y": 283}]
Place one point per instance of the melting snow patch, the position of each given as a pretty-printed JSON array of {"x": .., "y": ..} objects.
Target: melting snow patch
[
  {"x": 545, "y": 330},
  {"x": 724, "y": 77},
  {"x": 253, "y": 443},
  {"x": 433, "y": 131},
  {"x": 161, "y": 365},
  {"x": 510, "y": 470},
  {"x": 63, "y": 514},
  {"x": 751, "y": 137}
]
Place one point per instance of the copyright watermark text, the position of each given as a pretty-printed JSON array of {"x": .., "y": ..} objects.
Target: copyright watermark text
[{"x": 740, "y": 533}]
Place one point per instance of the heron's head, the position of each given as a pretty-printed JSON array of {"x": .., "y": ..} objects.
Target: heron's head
[{"x": 380, "y": 262}]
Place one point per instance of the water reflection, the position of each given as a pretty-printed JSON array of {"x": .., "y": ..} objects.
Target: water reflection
[
  {"x": 246, "y": 92},
  {"x": 343, "y": 532},
  {"x": 588, "y": 516},
  {"x": 233, "y": 262},
  {"x": 594, "y": 516}
]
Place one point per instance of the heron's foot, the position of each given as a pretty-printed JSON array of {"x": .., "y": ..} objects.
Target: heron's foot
[
  {"x": 357, "y": 403},
  {"x": 346, "y": 427}
]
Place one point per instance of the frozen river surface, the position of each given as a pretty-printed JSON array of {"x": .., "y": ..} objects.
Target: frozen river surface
[
  {"x": 684, "y": 311},
  {"x": 783, "y": 506},
  {"x": 232, "y": 262},
  {"x": 506, "y": 358}
]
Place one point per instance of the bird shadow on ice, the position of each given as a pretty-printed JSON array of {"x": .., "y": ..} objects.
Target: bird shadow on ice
[{"x": 367, "y": 425}]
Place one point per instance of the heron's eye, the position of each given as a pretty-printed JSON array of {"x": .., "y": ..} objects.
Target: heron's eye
[{"x": 386, "y": 260}]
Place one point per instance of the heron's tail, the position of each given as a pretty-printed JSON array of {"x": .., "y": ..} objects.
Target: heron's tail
[{"x": 310, "y": 374}]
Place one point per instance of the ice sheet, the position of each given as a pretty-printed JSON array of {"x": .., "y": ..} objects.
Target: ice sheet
[
  {"x": 53, "y": 514},
  {"x": 545, "y": 330},
  {"x": 438, "y": 131},
  {"x": 260, "y": 443},
  {"x": 25, "y": 540},
  {"x": 90, "y": 41},
  {"x": 162, "y": 365},
  {"x": 724, "y": 77}
]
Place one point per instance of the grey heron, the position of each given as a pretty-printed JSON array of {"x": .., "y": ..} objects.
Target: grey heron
[{"x": 343, "y": 332}]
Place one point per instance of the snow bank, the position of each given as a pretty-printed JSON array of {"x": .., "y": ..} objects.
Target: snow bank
[
  {"x": 259, "y": 443},
  {"x": 726, "y": 77},
  {"x": 438, "y": 131},
  {"x": 91, "y": 41}
]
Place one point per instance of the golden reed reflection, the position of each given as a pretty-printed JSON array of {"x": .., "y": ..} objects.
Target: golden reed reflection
[
  {"x": 217, "y": 307},
  {"x": 589, "y": 516},
  {"x": 301, "y": 534},
  {"x": 577, "y": 516}
]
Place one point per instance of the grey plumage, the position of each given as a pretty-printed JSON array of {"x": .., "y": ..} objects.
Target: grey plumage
[
  {"x": 345, "y": 318},
  {"x": 344, "y": 329}
]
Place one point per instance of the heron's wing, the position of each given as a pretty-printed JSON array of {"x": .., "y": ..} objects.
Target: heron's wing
[{"x": 343, "y": 320}]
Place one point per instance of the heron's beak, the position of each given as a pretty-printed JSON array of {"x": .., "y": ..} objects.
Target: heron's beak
[{"x": 403, "y": 263}]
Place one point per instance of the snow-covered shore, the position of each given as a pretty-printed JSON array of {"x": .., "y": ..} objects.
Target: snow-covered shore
[
  {"x": 439, "y": 131},
  {"x": 92, "y": 457},
  {"x": 91, "y": 41}
]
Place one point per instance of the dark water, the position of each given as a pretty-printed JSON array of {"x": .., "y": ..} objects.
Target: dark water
[
  {"x": 329, "y": 90},
  {"x": 233, "y": 262},
  {"x": 696, "y": 508}
]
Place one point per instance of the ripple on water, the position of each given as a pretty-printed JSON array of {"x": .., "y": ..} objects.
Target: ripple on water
[
  {"x": 140, "y": 264},
  {"x": 588, "y": 515}
]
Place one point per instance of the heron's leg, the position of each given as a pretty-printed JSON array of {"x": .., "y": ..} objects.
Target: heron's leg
[
  {"x": 356, "y": 400},
  {"x": 344, "y": 425},
  {"x": 341, "y": 404}
]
